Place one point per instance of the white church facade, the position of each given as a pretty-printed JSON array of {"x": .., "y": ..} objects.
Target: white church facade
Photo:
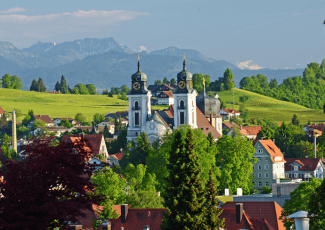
[{"x": 200, "y": 111}]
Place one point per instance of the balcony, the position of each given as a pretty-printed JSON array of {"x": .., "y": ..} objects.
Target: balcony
[
  {"x": 136, "y": 108},
  {"x": 181, "y": 107}
]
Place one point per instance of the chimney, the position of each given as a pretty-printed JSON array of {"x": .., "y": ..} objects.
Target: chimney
[
  {"x": 239, "y": 212},
  {"x": 106, "y": 225},
  {"x": 146, "y": 227},
  {"x": 210, "y": 119},
  {"x": 75, "y": 226},
  {"x": 124, "y": 213},
  {"x": 301, "y": 220},
  {"x": 14, "y": 132}
]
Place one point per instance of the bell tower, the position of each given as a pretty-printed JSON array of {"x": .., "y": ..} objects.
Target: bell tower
[
  {"x": 185, "y": 99},
  {"x": 139, "y": 103}
]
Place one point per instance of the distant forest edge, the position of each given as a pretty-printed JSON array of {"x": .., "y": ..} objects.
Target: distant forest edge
[{"x": 307, "y": 90}]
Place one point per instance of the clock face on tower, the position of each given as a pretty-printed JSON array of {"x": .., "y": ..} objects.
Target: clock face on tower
[
  {"x": 136, "y": 85},
  {"x": 181, "y": 84}
]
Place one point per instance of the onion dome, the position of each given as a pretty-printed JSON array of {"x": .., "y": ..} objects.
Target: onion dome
[
  {"x": 184, "y": 75},
  {"x": 139, "y": 76}
]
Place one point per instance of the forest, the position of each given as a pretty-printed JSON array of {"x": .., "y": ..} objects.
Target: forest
[{"x": 307, "y": 90}]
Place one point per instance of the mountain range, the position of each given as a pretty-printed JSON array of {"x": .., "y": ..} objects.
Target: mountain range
[{"x": 106, "y": 63}]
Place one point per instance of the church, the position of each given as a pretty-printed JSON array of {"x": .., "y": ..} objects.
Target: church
[{"x": 201, "y": 111}]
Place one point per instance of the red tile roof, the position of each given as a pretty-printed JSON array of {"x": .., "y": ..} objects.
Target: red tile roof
[
  {"x": 167, "y": 93},
  {"x": 205, "y": 126},
  {"x": 1, "y": 111},
  {"x": 118, "y": 156},
  {"x": 44, "y": 118},
  {"x": 308, "y": 164},
  {"x": 137, "y": 218},
  {"x": 247, "y": 222},
  {"x": 268, "y": 210},
  {"x": 318, "y": 126},
  {"x": 230, "y": 111},
  {"x": 170, "y": 111},
  {"x": 272, "y": 149},
  {"x": 229, "y": 125},
  {"x": 168, "y": 86},
  {"x": 94, "y": 141},
  {"x": 250, "y": 130}
]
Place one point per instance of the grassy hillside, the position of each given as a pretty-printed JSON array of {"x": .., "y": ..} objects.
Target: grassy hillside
[
  {"x": 61, "y": 105},
  {"x": 260, "y": 106}
]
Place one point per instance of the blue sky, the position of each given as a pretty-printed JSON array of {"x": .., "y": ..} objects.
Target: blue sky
[{"x": 274, "y": 34}]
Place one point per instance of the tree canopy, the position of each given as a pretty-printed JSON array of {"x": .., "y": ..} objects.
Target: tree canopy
[{"x": 11, "y": 82}]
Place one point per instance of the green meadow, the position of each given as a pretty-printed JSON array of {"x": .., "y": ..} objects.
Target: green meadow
[
  {"x": 260, "y": 106},
  {"x": 68, "y": 105}
]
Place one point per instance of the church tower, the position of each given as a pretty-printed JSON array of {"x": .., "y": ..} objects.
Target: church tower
[
  {"x": 139, "y": 103},
  {"x": 184, "y": 100}
]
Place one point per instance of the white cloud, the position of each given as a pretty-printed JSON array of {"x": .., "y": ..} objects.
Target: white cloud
[
  {"x": 13, "y": 10},
  {"x": 248, "y": 65},
  {"x": 46, "y": 26},
  {"x": 143, "y": 48}
]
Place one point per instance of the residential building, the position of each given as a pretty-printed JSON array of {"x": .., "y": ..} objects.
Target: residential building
[
  {"x": 110, "y": 126},
  {"x": 269, "y": 165},
  {"x": 304, "y": 168},
  {"x": 227, "y": 114},
  {"x": 260, "y": 214},
  {"x": 49, "y": 122},
  {"x": 58, "y": 130},
  {"x": 247, "y": 131},
  {"x": 161, "y": 88},
  {"x": 1, "y": 112},
  {"x": 71, "y": 121},
  {"x": 112, "y": 115},
  {"x": 166, "y": 98},
  {"x": 229, "y": 125},
  {"x": 115, "y": 158}
]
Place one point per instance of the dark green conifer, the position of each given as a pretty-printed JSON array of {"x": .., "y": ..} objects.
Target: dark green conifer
[
  {"x": 57, "y": 86},
  {"x": 210, "y": 138},
  {"x": 211, "y": 212},
  {"x": 63, "y": 85},
  {"x": 34, "y": 86},
  {"x": 184, "y": 192},
  {"x": 41, "y": 87},
  {"x": 317, "y": 208}
]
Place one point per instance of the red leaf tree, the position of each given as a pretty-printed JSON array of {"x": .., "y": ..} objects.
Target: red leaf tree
[{"x": 47, "y": 189}]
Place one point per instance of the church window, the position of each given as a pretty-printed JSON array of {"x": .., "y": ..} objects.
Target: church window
[
  {"x": 136, "y": 105},
  {"x": 182, "y": 118},
  {"x": 136, "y": 118},
  {"x": 181, "y": 104}
]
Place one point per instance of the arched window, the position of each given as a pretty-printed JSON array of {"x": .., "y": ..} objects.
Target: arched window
[
  {"x": 182, "y": 118},
  {"x": 181, "y": 104},
  {"x": 136, "y": 104},
  {"x": 136, "y": 116}
]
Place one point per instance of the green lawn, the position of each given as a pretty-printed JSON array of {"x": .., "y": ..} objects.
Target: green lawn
[
  {"x": 68, "y": 105},
  {"x": 261, "y": 106}
]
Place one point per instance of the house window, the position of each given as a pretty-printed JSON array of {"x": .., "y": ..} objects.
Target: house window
[
  {"x": 267, "y": 184},
  {"x": 181, "y": 104},
  {"x": 266, "y": 158},
  {"x": 266, "y": 175},
  {"x": 182, "y": 118},
  {"x": 260, "y": 150},
  {"x": 295, "y": 168},
  {"x": 259, "y": 167},
  {"x": 266, "y": 167},
  {"x": 296, "y": 175},
  {"x": 259, "y": 175},
  {"x": 136, "y": 105},
  {"x": 259, "y": 184},
  {"x": 287, "y": 175},
  {"x": 136, "y": 115},
  {"x": 253, "y": 166},
  {"x": 259, "y": 158}
]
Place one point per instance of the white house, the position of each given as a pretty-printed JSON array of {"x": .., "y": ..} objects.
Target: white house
[
  {"x": 229, "y": 113},
  {"x": 166, "y": 98}
]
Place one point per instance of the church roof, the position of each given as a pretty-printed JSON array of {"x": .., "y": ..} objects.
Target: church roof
[
  {"x": 156, "y": 117},
  {"x": 208, "y": 105},
  {"x": 205, "y": 126}
]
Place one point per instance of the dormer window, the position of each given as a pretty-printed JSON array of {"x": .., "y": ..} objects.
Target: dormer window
[{"x": 295, "y": 168}]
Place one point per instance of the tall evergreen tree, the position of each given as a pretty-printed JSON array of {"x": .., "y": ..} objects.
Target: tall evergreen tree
[
  {"x": 166, "y": 81},
  {"x": 211, "y": 212},
  {"x": 63, "y": 85},
  {"x": 34, "y": 86},
  {"x": 41, "y": 87},
  {"x": 31, "y": 113},
  {"x": 57, "y": 86},
  {"x": 184, "y": 190},
  {"x": 140, "y": 151},
  {"x": 228, "y": 80},
  {"x": 173, "y": 81}
]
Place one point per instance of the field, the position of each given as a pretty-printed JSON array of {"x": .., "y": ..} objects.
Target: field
[
  {"x": 260, "y": 106},
  {"x": 60, "y": 105},
  {"x": 68, "y": 105}
]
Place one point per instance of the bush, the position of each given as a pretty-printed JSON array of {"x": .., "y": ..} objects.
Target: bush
[{"x": 266, "y": 190}]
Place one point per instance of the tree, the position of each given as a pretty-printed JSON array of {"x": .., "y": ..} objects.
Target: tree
[
  {"x": 184, "y": 194},
  {"x": 26, "y": 120},
  {"x": 295, "y": 120},
  {"x": 266, "y": 190},
  {"x": 266, "y": 132},
  {"x": 49, "y": 188},
  {"x": 31, "y": 113},
  {"x": 105, "y": 92},
  {"x": 80, "y": 89},
  {"x": 64, "y": 86},
  {"x": 65, "y": 123},
  {"x": 41, "y": 87},
  {"x": 228, "y": 80},
  {"x": 11, "y": 82},
  {"x": 18, "y": 113},
  {"x": 3, "y": 121},
  {"x": 317, "y": 208},
  {"x": 120, "y": 143},
  {"x": 273, "y": 84},
  {"x": 244, "y": 112},
  {"x": 198, "y": 82},
  {"x": 110, "y": 186},
  {"x": 172, "y": 81},
  {"x": 91, "y": 89},
  {"x": 211, "y": 212},
  {"x": 166, "y": 81},
  {"x": 124, "y": 89},
  {"x": 38, "y": 123},
  {"x": 140, "y": 151},
  {"x": 57, "y": 86},
  {"x": 123, "y": 96},
  {"x": 300, "y": 201},
  {"x": 98, "y": 118},
  {"x": 34, "y": 86},
  {"x": 158, "y": 82},
  {"x": 80, "y": 118},
  {"x": 236, "y": 159}
]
